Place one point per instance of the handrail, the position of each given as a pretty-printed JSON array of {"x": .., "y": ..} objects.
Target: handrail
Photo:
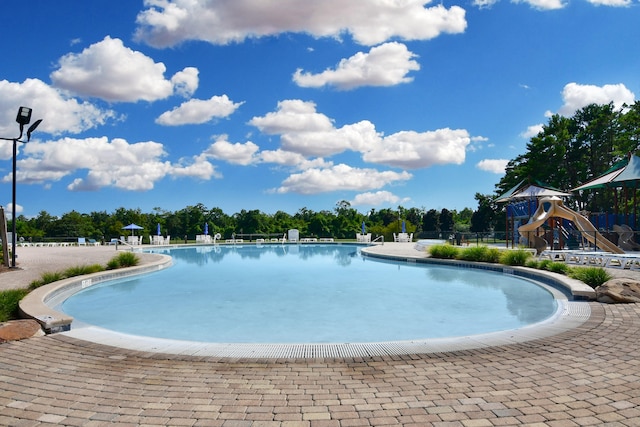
[
  {"x": 381, "y": 238},
  {"x": 122, "y": 242}
]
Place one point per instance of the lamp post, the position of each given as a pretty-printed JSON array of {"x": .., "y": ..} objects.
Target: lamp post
[{"x": 23, "y": 118}]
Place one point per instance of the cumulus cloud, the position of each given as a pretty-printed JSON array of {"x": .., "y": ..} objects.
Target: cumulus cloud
[
  {"x": 484, "y": 3},
  {"x": 577, "y": 96},
  {"x": 296, "y": 160},
  {"x": 384, "y": 65},
  {"x": 339, "y": 178},
  {"x": 235, "y": 153},
  {"x": 59, "y": 113},
  {"x": 116, "y": 163},
  {"x": 496, "y": 166},
  {"x": 186, "y": 82},
  {"x": 108, "y": 70},
  {"x": 614, "y": 3},
  {"x": 377, "y": 198},
  {"x": 8, "y": 210},
  {"x": 543, "y": 4},
  {"x": 413, "y": 150},
  {"x": 532, "y": 131},
  {"x": 305, "y": 131},
  {"x": 167, "y": 23},
  {"x": 197, "y": 111}
]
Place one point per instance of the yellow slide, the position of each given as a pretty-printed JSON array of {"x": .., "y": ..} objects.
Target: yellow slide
[{"x": 556, "y": 209}]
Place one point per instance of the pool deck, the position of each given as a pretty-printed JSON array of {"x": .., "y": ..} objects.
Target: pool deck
[{"x": 588, "y": 375}]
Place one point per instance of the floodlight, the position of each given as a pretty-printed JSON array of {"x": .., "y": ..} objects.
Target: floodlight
[{"x": 24, "y": 116}]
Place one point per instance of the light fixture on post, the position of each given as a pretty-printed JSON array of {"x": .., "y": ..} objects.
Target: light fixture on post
[{"x": 23, "y": 118}]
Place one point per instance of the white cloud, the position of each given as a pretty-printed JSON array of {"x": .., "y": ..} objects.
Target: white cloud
[
  {"x": 8, "y": 210},
  {"x": 197, "y": 111},
  {"x": 289, "y": 158},
  {"x": 59, "y": 113},
  {"x": 339, "y": 178},
  {"x": 532, "y": 131},
  {"x": 614, "y": 3},
  {"x": 577, "y": 96},
  {"x": 197, "y": 167},
  {"x": 115, "y": 163},
  {"x": 484, "y": 3},
  {"x": 413, "y": 150},
  {"x": 236, "y": 153},
  {"x": 543, "y": 4},
  {"x": 108, "y": 70},
  {"x": 496, "y": 166},
  {"x": 377, "y": 198},
  {"x": 167, "y": 23},
  {"x": 384, "y": 65},
  {"x": 304, "y": 131},
  {"x": 186, "y": 82}
]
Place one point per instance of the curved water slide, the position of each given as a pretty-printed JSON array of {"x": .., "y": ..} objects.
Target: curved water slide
[{"x": 556, "y": 209}]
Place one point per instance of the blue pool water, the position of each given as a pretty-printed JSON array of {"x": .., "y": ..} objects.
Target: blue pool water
[{"x": 308, "y": 294}]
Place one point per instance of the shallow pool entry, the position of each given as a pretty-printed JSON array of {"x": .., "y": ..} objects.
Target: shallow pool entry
[{"x": 308, "y": 294}]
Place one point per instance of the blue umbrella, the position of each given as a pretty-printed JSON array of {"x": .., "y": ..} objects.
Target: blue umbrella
[
  {"x": 158, "y": 230},
  {"x": 404, "y": 227},
  {"x": 364, "y": 228},
  {"x": 133, "y": 228},
  {"x": 206, "y": 228}
]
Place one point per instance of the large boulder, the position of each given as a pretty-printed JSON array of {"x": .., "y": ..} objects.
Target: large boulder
[
  {"x": 19, "y": 329},
  {"x": 619, "y": 291}
]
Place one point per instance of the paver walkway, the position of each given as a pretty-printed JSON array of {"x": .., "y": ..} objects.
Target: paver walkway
[{"x": 587, "y": 376}]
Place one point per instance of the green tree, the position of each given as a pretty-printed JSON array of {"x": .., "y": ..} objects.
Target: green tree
[
  {"x": 483, "y": 217},
  {"x": 431, "y": 222},
  {"x": 446, "y": 220}
]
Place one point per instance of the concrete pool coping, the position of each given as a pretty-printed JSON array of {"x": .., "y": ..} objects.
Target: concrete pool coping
[{"x": 570, "y": 315}]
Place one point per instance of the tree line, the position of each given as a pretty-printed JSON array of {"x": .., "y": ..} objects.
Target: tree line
[{"x": 343, "y": 222}]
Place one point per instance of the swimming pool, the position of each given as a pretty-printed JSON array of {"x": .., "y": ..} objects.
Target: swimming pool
[{"x": 308, "y": 294}]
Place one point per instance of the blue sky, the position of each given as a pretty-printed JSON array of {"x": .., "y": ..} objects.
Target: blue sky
[{"x": 280, "y": 105}]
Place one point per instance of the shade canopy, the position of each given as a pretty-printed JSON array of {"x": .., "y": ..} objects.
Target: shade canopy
[
  {"x": 530, "y": 191},
  {"x": 133, "y": 227},
  {"x": 614, "y": 176}
]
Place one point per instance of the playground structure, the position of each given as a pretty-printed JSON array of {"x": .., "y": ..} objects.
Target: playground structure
[{"x": 552, "y": 207}]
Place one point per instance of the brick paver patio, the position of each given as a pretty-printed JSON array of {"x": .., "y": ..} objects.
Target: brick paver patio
[
  {"x": 584, "y": 377},
  {"x": 588, "y": 376}
]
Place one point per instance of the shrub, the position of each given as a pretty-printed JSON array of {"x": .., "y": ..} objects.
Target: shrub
[
  {"x": 123, "y": 259},
  {"x": 480, "y": 254},
  {"x": 515, "y": 257},
  {"x": 46, "y": 278},
  {"x": 444, "y": 251},
  {"x": 532, "y": 263},
  {"x": 544, "y": 264},
  {"x": 592, "y": 276},
  {"x": 82, "y": 270},
  {"x": 9, "y": 300},
  {"x": 559, "y": 267}
]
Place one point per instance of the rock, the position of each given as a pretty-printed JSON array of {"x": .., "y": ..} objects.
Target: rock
[
  {"x": 20, "y": 329},
  {"x": 619, "y": 291}
]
